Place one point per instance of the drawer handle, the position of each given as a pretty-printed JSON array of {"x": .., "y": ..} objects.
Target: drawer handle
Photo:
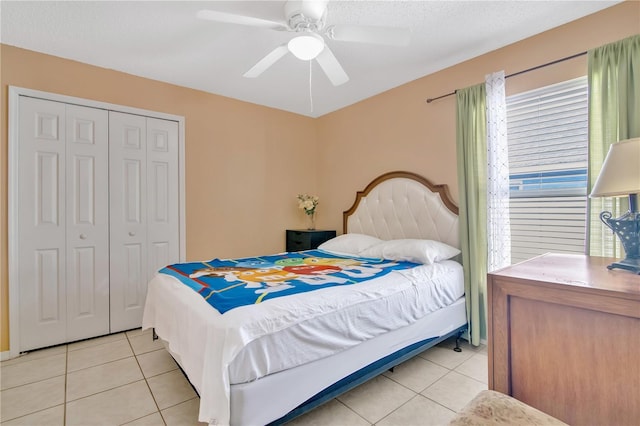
[
  {"x": 83, "y": 237},
  {"x": 132, "y": 234}
]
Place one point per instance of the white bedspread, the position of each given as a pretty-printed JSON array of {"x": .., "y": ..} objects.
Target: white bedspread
[{"x": 207, "y": 342}]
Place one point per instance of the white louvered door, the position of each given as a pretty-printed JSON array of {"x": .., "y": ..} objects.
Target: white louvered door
[
  {"x": 144, "y": 210},
  {"x": 63, "y": 245}
]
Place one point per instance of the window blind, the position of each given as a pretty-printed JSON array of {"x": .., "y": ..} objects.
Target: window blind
[{"x": 547, "y": 130}]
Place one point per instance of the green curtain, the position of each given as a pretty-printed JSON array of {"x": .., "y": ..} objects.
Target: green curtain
[
  {"x": 614, "y": 115},
  {"x": 471, "y": 144}
]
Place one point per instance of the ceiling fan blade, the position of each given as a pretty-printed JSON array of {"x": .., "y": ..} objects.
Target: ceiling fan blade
[
  {"x": 388, "y": 36},
  {"x": 231, "y": 18},
  {"x": 332, "y": 67},
  {"x": 264, "y": 63}
]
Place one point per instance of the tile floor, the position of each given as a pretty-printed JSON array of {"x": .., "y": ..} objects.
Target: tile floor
[{"x": 128, "y": 379}]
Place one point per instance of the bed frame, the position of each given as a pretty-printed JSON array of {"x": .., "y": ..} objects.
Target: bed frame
[
  {"x": 369, "y": 372},
  {"x": 394, "y": 205}
]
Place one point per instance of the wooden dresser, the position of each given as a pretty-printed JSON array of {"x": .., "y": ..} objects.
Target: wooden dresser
[{"x": 564, "y": 337}]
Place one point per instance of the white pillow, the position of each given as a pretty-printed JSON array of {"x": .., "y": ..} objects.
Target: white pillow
[
  {"x": 411, "y": 250},
  {"x": 351, "y": 244}
]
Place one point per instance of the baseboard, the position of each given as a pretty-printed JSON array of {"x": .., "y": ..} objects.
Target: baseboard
[{"x": 5, "y": 355}]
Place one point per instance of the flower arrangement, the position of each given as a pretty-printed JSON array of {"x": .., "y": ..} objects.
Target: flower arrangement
[{"x": 308, "y": 203}]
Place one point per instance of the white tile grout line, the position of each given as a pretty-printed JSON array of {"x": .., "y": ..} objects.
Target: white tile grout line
[
  {"x": 352, "y": 410},
  {"x": 424, "y": 396},
  {"x": 146, "y": 382},
  {"x": 127, "y": 337},
  {"x": 411, "y": 399},
  {"x": 66, "y": 375}
]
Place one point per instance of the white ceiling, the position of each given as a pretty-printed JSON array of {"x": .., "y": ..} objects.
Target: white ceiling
[{"x": 163, "y": 40}]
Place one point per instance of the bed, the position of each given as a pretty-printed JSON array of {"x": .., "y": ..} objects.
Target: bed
[{"x": 309, "y": 347}]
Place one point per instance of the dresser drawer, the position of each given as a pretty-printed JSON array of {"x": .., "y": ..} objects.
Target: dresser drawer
[{"x": 302, "y": 239}]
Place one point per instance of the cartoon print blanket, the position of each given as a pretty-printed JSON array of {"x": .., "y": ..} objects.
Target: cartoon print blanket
[{"x": 229, "y": 283}]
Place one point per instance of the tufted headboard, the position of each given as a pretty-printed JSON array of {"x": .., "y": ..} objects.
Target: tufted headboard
[{"x": 404, "y": 205}]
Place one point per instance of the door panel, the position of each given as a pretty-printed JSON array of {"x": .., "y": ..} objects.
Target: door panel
[
  {"x": 162, "y": 197},
  {"x": 46, "y": 191},
  {"x": 87, "y": 222},
  {"x": 132, "y": 191},
  {"x": 160, "y": 256},
  {"x": 48, "y": 124},
  {"x": 84, "y": 273},
  {"x": 41, "y": 245},
  {"x": 128, "y": 188},
  {"x": 48, "y": 286},
  {"x": 84, "y": 183},
  {"x": 159, "y": 182},
  {"x": 134, "y": 278}
]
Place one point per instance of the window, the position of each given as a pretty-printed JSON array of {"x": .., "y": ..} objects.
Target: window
[{"x": 547, "y": 130}]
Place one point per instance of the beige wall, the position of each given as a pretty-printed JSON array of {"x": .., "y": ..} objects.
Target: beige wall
[
  {"x": 398, "y": 130},
  {"x": 246, "y": 163}
]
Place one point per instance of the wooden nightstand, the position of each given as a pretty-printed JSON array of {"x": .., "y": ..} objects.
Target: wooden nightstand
[
  {"x": 304, "y": 239},
  {"x": 564, "y": 337}
]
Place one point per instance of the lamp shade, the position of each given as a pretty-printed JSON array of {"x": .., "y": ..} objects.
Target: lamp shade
[
  {"x": 620, "y": 173},
  {"x": 306, "y": 46}
]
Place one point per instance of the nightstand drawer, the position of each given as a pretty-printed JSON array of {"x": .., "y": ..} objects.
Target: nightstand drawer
[{"x": 303, "y": 239}]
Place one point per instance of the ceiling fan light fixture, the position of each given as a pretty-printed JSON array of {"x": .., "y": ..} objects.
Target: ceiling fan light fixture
[{"x": 306, "y": 46}]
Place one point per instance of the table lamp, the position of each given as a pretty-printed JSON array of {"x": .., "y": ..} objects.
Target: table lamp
[{"x": 620, "y": 176}]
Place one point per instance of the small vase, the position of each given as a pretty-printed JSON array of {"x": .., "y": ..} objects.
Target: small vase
[{"x": 311, "y": 221}]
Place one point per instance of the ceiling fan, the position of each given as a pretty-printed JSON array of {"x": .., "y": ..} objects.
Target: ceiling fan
[{"x": 307, "y": 19}]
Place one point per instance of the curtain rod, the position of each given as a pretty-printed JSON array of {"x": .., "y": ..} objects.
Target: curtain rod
[{"x": 517, "y": 73}]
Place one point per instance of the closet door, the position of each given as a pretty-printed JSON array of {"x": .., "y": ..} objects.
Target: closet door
[
  {"x": 144, "y": 205},
  {"x": 162, "y": 195},
  {"x": 128, "y": 211},
  {"x": 63, "y": 227},
  {"x": 87, "y": 221},
  {"x": 42, "y": 233}
]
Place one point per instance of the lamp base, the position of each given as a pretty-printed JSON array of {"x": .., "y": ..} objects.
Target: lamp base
[
  {"x": 632, "y": 265},
  {"x": 627, "y": 228}
]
